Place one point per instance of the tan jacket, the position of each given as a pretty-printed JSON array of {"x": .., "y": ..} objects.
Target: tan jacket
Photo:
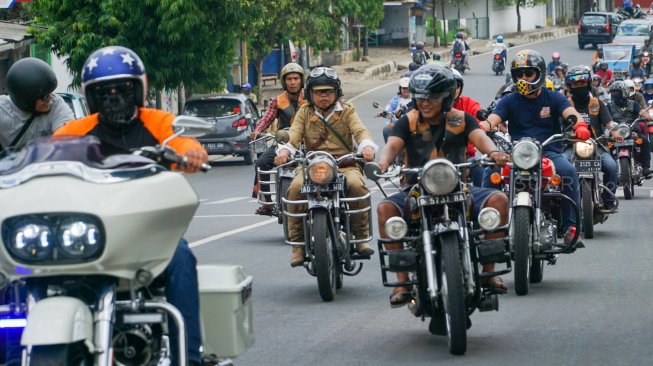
[{"x": 309, "y": 129}]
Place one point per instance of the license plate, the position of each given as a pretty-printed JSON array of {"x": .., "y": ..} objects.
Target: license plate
[
  {"x": 593, "y": 31},
  {"x": 625, "y": 143},
  {"x": 584, "y": 166},
  {"x": 213, "y": 145},
  {"x": 312, "y": 188},
  {"x": 440, "y": 200}
]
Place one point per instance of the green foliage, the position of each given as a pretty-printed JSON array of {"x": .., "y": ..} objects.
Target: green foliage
[
  {"x": 521, "y": 3},
  {"x": 451, "y": 34},
  {"x": 188, "y": 42}
]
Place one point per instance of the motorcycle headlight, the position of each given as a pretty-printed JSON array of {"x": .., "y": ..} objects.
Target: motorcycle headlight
[
  {"x": 396, "y": 228},
  {"x": 489, "y": 218},
  {"x": 439, "y": 177},
  {"x": 322, "y": 171},
  {"x": 53, "y": 238},
  {"x": 623, "y": 131},
  {"x": 525, "y": 154},
  {"x": 584, "y": 149}
]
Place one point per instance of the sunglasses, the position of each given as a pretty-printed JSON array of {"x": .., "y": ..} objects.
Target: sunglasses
[
  {"x": 116, "y": 88},
  {"x": 319, "y": 71},
  {"x": 529, "y": 73},
  {"x": 434, "y": 97},
  {"x": 324, "y": 92},
  {"x": 46, "y": 97}
]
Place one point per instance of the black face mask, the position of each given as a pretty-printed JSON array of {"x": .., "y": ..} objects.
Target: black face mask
[
  {"x": 116, "y": 103},
  {"x": 619, "y": 99},
  {"x": 580, "y": 95}
]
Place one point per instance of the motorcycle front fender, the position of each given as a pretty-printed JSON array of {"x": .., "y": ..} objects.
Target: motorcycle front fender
[
  {"x": 624, "y": 153},
  {"x": 523, "y": 199},
  {"x": 59, "y": 320}
]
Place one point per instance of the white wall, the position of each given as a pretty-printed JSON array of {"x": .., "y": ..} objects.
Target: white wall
[
  {"x": 505, "y": 20},
  {"x": 64, "y": 78},
  {"x": 395, "y": 21}
]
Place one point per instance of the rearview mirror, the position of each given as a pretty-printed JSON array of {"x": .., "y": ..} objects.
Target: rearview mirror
[
  {"x": 372, "y": 170},
  {"x": 192, "y": 126},
  {"x": 375, "y": 104}
]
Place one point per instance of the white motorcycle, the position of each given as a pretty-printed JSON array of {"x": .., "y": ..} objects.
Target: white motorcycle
[{"x": 86, "y": 237}]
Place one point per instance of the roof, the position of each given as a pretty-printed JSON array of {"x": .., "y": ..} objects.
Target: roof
[{"x": 11, "y": 32}]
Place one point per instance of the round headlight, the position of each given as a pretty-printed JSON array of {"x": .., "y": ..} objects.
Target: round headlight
[
  {"x": 489, "y": 218},
  {"x": 396, "y": 228},
  {"x": 439, "y": 176},
  {"x": 31, "y": 242},
  {"x": 79, "y": 238},
  {"x": 321, "y": 171},
  {"x": 623, "y": 131},
  {"x": 584, "y": 149},
  {"x": 525, "y": 154}
]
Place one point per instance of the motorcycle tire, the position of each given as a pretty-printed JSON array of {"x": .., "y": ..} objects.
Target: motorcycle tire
[
  {"x": 626, "y": 178},
  {"x": 249, "y": 157},
  {"x": 453, "y": 293},
  {"x": 587, "y": 206},
  {"x": 73, "y": 354},
  {"x": 324, "y": 261},
  {"x": 522, "y": 249},
  {"x": 536, "y": 273}
]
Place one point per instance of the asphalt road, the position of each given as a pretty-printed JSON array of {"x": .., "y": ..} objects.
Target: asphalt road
[{"x": 594, "y": 307}]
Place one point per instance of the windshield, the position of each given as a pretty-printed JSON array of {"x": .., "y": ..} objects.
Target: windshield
[
  {"x": 594, "y": 19},
  {"x": 617, "y": 54},
  {"x": 213, "y": 108},
  {"x": 632, "y": 29}
]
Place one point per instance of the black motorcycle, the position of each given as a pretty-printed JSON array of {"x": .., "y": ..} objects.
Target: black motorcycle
[
  {"x": 497, "y": 64},
  {"x": 628, "y": 155},
  {"x": 441, "y": 250}
]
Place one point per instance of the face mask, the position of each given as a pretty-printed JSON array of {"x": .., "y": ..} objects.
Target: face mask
[
  {"x": 116, "y": 102},
  {"x": 580, "y": 95},
  {"x": 618, "y": 98}
]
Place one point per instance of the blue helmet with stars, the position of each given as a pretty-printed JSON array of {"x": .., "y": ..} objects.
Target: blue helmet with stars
[{"x": 113, "y": 64}]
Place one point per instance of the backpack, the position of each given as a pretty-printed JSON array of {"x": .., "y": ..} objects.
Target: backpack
[
  {"x": 419, "y": 57},
  {"x": 457, "y": 47}
]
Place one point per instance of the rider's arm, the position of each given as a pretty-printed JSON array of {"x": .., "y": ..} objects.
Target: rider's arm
[
  {"x": 270, "y": 115},
  {"x": 296, "y": 132},
  {"x": 569, "y": 111},
  {"x": 60, "y": 113}
]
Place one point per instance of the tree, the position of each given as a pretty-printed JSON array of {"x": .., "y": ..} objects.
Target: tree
[
  {"x": 520, "y": 4},
  {"x": 189, "y": 42}
]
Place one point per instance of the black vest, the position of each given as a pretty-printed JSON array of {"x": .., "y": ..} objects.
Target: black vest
[
  {"x": 623, "y": 115},
  {"x": 425, "y": 138}
]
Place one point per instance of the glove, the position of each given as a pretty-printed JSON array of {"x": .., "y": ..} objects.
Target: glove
[{"x": 582, "y": 132}]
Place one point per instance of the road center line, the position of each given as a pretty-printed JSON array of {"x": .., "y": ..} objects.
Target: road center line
[
  {"x": 230, "y": 233},
  {"x": 226, "y": 200}
]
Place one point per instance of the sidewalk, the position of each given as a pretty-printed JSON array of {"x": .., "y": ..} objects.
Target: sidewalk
[{"x": 388, "y": 63}]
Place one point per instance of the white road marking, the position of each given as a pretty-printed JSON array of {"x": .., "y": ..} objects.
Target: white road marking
[
  {"x": 230, "y": 233},
  {"x": 226, "y": 200},
  {"x": 217, "y": 216}
]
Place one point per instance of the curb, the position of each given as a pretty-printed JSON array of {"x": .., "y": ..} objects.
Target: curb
[{"x": 384, "y": 69}]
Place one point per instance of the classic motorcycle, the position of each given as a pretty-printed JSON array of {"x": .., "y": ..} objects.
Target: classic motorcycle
[
  {"x": 86, "y": 237},
  {"x": 587, "y": 161},
  {"x": 330, "y": 247},
  {"x": 628, "y": 155},
  {"x": 535, "y": 210},
  {"x": 440, "y": 248},
  {"x": 497, "y": 64}
]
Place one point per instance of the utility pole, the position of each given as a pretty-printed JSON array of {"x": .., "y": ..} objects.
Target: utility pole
[{"x": 436, "y": 40}]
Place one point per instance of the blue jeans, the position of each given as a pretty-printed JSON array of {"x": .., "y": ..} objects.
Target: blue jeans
[
  {"x": 609, "y": 169},
  {"x": 182, "y": 291}
]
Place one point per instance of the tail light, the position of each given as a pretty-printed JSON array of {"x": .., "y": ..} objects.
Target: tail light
[
  {"x": 649, "y": 127},
  {"x": 607, "y": 27},
  {"x": 240, "y": 125},
  {"x": 497, "y": 57},
  {"x": 458, "y": 55},
  {"x": 579, "y": 27}
]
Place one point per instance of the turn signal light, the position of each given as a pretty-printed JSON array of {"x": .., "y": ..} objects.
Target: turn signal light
[
  {"x": 610, "y": 145},
  {"x": 495, "y": 178},
  {"x": 639, "y": 141},
  {"x": 556, "y": 180}
]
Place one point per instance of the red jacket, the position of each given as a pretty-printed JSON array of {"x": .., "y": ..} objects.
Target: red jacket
[{"x": 470, "y": 106}]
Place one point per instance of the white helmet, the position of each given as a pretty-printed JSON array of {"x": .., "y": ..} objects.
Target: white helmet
[
  {"x": 631, "y": 87},
  {"x": 403, "y": 82}
]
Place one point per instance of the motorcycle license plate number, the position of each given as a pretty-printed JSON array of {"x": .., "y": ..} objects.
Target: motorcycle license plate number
[
  {"x": 214, "y": 145},
  {"x": 625, "y": 143},
  {"x": 440, "y": 200},
  {"x": 326, "y": 188},
  {"x": 583, "y": 166}
]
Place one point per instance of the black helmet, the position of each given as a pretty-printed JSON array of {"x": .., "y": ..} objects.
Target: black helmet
[
  {"x": 419, "y": 45},
  {"x": 413, "y": 66},
  {"x": 29, "y": 79},
  {"x": 460, "y": 35},
  {"x": 431, "y": 80},
  {"x": 578, "y": 73},
  {"x": 620, "y": 87},
  {"x": 528, "y": 60},
  {"x": 322, "y": 76}
]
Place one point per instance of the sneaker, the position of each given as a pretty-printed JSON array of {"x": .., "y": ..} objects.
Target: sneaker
[
  {"x": 569, "y": 236},
  {"x": 364, "y": 249}
]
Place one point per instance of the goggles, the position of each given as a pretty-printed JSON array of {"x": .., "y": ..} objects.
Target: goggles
[
  {"x": 429, "y": 96},
  {"x": 529, "y": 73},
  {"x": 579, "y": 77},
  {"x": 328, "y": 72}
]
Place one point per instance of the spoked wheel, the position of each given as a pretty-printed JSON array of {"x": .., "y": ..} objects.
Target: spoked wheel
[
  {"x": 522, "y": 249},
  {"x": 453, "y": 294},
  {"x": 626, "y": 178},
  {"x": 588, "y": 208},
  {"x": 74, "y": 354},
  {"x": 326, "y": 268}
]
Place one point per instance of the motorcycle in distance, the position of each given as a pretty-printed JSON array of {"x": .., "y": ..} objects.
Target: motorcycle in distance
[
  {"x": 392, "y": 119},
  {"x": 535, "y": 210},
  {"x": 278, "y": 180},
  {"x": 627, "y": 153},
  {"x": 88, "y": 263},
  {"x": 330, "y": 247},
  {"x": 497, "y": 64},
  {"x": 587, "y": 161},
  {"x": 440, "y": 248},
  {"x": 457, "y": 62}
]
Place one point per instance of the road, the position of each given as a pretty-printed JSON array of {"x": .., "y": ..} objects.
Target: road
[{"x": 593, "y": 307}]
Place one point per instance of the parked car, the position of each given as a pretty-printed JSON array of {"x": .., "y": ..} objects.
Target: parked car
[
  {"x": 234, "y": 117},
  {"x": 634, "y": 31},
  {"x": 597, "y": 27},
  {"x": 77, "y": 104}
]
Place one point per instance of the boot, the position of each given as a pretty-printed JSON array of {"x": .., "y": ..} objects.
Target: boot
[
  {"x": 297, "y": 258},
  {"x": 364, "y": 249}
]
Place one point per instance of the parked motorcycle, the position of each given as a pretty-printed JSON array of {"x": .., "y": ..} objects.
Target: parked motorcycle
[
  {"x": 330, "y": 247},
  {"x": 441, "y": 250},
  {"x": 457, "y": 62},
  {"x": 535, "y": 210},
  {"x": 588, "y": 166},
  {"x": 628, "y": 155},
  {"x": 86, "y": 237},
  {"x": 497, "y": 64}
]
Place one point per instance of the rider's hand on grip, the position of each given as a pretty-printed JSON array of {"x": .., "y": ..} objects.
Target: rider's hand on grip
[
  {"x": 582, "y": 132},
  {"x": 194, "y": 161},
  {"x": 482, "y": 114},
  {"x": 254, "y": 135},
  {"x": 368, "y": 153},
  {"x": 280, "y": 159}
]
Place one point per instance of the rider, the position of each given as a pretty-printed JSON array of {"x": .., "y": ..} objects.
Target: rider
[
  {"x": 635, "y": 95},
  {"x": 460, "y": 46},
  {"x": 648, "y": 90},
  {"x": 534, "y": 111},
  {"x": 326, "y": 124},
  {"x": 635, "y": 70},
  {"x": 605, "y": 73},
  {"x": 468, "y": 105},
  {"x": 555, "y": 61},
  {"x": 433, "y": 129},
  {"x": 399, "y": 104},
  {"x": 597, "y": 116},
  {"x": 283, "y": 107},
  {"x": 31, "y": 109},
  {"x": 114, "y": 83},
  {"x": 500, "y": 48},
  {"x": 624, "y": 110},
  {"x": 411, "y": 68},
  {"x": 247, "y": 90},
  {"x": 420, "y": 56}
]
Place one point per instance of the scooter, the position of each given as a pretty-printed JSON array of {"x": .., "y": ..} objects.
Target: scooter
[{"x": 498, "y": 64}]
